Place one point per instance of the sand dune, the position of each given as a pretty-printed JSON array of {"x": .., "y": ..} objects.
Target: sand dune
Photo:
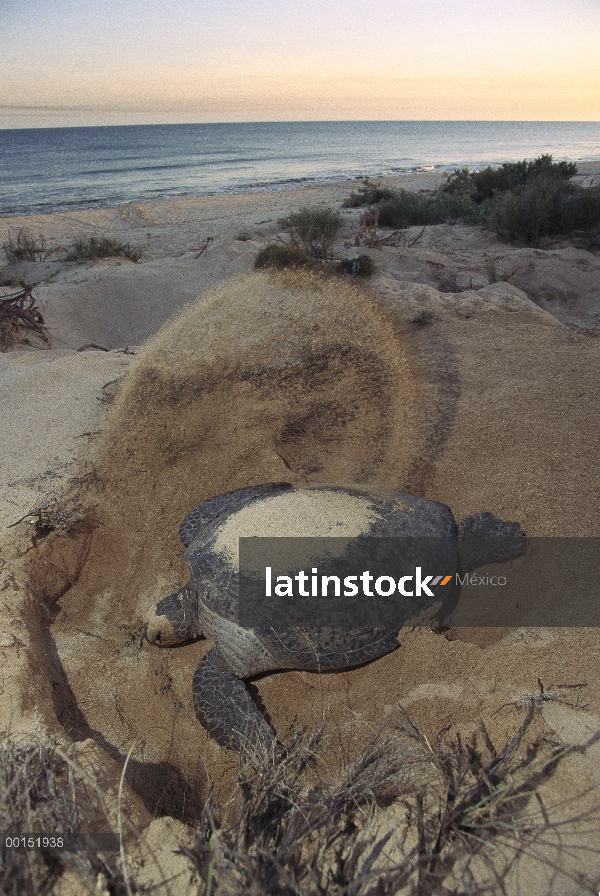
[{"x": 438, "y": 377}]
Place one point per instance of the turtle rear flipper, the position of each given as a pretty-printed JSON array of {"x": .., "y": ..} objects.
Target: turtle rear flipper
[
  {"x": 223, "y": 506},
  {"x": 484, "y": 539},
  {"x": 224, "y": 707}
]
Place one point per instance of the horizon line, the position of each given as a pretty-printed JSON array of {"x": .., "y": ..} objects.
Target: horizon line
[{"x": 33, "y": 127}]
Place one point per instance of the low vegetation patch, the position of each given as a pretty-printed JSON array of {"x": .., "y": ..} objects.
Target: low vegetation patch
[
  {"x": 45, "y": 794},
  {"x": 368, "y": 194},
  {"x": 484, "y": 185},
  {"x": 410, "y": 814},
  {"x": 93, "y": 248},
  {"x": 522, "y": 202},
  {"x": 281, "y": 255},
  {"x": 25, "y": 247},
  {"x": 408, "y": 209},
  {"x": 314, "y": 230},
  {"x": 546, "y": 207},
  {"x": 362, "y": 266}
]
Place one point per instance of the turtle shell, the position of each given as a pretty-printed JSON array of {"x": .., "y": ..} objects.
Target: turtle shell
[{"x": 211, "y": 532}]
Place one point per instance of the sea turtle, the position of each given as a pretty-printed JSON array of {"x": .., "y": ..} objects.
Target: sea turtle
[{"x": 209, "y": 604}]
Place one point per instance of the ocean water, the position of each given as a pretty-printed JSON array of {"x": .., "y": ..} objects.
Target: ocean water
[{"x": 49, "y": 169}]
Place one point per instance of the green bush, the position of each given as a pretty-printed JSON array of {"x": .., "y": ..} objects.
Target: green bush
[
  {"x": 545, "y": 207},
  {"x": 313, "y": 230},
  {"x": 368, "y": 194},
  {"x": 408, "y": 209},
  {"x": 279, "y": 255},
  {"x": 521, "y": 201},
  {"x": 488, "y": 183},
  {"x": 92, "y": 248},
  {"x": 25, "y": 247}
]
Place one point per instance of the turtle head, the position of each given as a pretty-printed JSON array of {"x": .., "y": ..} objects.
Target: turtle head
[{"x": 175, "y": 619}]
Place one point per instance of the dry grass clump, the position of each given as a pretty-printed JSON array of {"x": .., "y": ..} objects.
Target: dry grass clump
[
  {"x": 93, "y": 248},
  {"x": 362, "y": 266},
  {"x": 43, "y": 792},
  {"x": 279, "y": 256},
  {"x": 507, "y": 273},
  {"x": 25, "y": 247},
  {"x": 408, "y": 816},
  {"x": 313, "y": 230}
]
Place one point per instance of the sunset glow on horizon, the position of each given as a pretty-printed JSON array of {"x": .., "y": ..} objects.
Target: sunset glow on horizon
[{"x": 79, "y": 63}]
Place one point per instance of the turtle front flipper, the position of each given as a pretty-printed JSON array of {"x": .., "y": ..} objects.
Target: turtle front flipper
[
  {"x": 484, "y": 539},
  {"x": 225, "y": 708}
]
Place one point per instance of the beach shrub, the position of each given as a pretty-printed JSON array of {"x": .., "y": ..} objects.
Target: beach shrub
[
  {"x": 484, "y": 185},
  {"x": 545, "y": 207},
  {"x": 363, "y": 266},
  {"x": 521, "y": 201},
  {"x": 25, "y": 247},
  {"x": 243, "y": 236},
  {"x": 368, "y": 194},
  {"x": 408, "y": 209},
  {"x": 281, "y": 255},
  {"x": 313, "y": 230},
  {"x": 93, "y": 248}
]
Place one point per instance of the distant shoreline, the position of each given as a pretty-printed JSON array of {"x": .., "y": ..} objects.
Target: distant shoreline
[
  {"x": 207, "y": 213},
  {"x": 45, "y": 171},
  {"x": 249, "y": 190},
  {"x": 413, "y": 179}
]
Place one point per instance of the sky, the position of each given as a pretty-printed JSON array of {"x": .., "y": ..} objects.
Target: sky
[{"x": 87, "y": 62}]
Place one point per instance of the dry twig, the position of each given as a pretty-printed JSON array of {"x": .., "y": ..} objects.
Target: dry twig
[
  {"x": 203, "y": 248},
  {"x": 18, "y": 313}
]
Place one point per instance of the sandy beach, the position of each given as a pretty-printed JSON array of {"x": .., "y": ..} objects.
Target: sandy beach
[{"x": 465, "y": 370}]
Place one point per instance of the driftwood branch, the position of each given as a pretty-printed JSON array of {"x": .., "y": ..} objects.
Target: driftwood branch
[
  {"x": 203, "y": 248},
  {"x": 18, "y": 312}
]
